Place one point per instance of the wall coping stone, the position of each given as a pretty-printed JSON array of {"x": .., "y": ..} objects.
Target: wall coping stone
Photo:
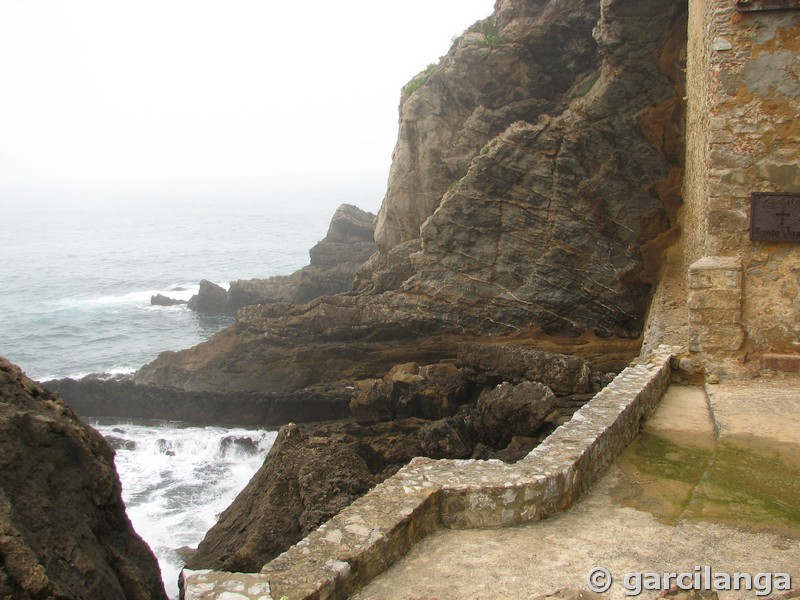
[{"x": 376, "y": 530}]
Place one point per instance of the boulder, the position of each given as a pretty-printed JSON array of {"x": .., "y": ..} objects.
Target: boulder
[
  {"x": 210, "y": 299},
  {"x": 512, "y": 410},
  {"x": 63, "y": 528},
  {"x": 490, "y": 364}
]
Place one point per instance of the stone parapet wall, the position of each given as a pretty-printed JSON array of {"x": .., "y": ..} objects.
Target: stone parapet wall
[{"x": 378, "y": 529}]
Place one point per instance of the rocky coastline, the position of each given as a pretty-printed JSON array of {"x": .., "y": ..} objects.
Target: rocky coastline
[{"x": 533, "y": 191}]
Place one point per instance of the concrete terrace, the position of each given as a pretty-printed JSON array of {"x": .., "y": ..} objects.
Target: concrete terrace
[{"x": 713, "y": 479}]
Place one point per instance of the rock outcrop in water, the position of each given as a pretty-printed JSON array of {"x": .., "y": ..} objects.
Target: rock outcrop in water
[
  {"x": 533, "y": 188},
  {"x": 334, "y": 263},
  {"x": 63, "y": 528}
]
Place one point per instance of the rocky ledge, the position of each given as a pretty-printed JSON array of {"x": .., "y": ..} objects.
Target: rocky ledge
[{"x": 63, "y": 528}]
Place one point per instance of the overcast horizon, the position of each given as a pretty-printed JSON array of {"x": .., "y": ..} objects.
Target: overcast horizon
[{"x": 182, "y": 100}]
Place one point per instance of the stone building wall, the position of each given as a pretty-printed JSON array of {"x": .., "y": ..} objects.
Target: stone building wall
[{"x": 743, "y": 136}]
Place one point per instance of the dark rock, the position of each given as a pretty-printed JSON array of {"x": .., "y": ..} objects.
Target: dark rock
[
  {"x": 63, "y": 528},
  {"x": 162, "y": 300},
  {"x": 512, "y": 410},
  {"x": 518, "y": 448},
  {"x": 118, "y": 443},
  {"x": 210, "y": 299},
  {"x": 491, "y": 364},
  {"x": 310, "y": 474},
  {"x": 244, "y": 444},
  {"x": 125, "y": 399}
]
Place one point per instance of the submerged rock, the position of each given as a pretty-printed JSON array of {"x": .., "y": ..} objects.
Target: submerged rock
[
  {"x": 162, "y": 300},
  {"x": 63, "y": 528}
]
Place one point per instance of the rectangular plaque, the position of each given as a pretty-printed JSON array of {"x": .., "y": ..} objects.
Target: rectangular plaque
[
  {"x": 754, "y": 5},
  {"x": 775, "y": 217}
]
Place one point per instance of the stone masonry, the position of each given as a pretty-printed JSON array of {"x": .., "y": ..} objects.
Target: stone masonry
[
  {"x": 743, "y": 136},
  {"x": 379, "y": 528}
]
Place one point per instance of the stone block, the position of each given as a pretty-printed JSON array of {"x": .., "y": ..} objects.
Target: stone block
[
  {"x": 788, "y": 363},
  {"x": 726, "y": 156},
  {"x": 716, "y": 316},
  {"x": 727, "y": 222},
  {"x": 725, "y": 299},
  {"x": 719, "y": 338}
]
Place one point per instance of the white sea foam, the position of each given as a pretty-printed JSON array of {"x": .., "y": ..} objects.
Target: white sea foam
[{"x": 176, "y": 480}]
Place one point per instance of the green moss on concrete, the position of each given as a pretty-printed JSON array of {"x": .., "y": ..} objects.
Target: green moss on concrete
[
  {"x": 750, "y": 489},
  {"x": 743, "y": 487}
]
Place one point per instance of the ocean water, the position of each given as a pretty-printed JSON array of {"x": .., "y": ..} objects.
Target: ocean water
[
  {"x": 177, "y": 479},
  {"x": 75, "y": 282},
  {"x": 75, "y": 287}
]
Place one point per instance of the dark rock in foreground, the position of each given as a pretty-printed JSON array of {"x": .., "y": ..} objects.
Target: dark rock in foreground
[
  {"x": 63, "y": 528},
  {"x": 313, "y": 471}
]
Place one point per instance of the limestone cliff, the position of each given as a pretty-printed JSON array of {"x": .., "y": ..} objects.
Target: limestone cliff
[
  {"x": 533, "y": 187},
  {"x": 63, "y": 528}
]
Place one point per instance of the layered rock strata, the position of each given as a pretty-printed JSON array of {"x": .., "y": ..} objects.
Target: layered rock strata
[
  {"x": 533, "y": 189},
  {"x": 63, "y": 528}
]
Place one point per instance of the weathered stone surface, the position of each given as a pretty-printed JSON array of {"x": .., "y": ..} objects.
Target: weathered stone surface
[
  {"x": 211, "y": 299},
  {"x": 63, "y": 528},
  {"x": 502, "y": 70},
  {"x": 491, "y": 364},
  {"x": 570, "y": 595},
  {"x": 513, "y": 410},
  {"x": 408, "y": 390}
]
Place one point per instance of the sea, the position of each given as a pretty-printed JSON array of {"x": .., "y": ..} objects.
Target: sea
[{"x": 75, "y": 288}]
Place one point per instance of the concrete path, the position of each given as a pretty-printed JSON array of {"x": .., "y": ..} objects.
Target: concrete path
[{"x": 694, "y": 489}]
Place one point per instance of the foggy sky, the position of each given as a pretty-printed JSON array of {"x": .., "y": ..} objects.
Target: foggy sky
[{"x": 186, "y": 99}]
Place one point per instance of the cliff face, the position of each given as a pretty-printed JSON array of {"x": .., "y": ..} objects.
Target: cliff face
[
  {"x": 533, "y": 187},
  {"x": 528, "y": 59},
  {"x": 63, "y": 528}
]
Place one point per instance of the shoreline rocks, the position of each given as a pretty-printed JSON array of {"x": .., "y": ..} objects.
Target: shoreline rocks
[{"x": 335, "y": 261}]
